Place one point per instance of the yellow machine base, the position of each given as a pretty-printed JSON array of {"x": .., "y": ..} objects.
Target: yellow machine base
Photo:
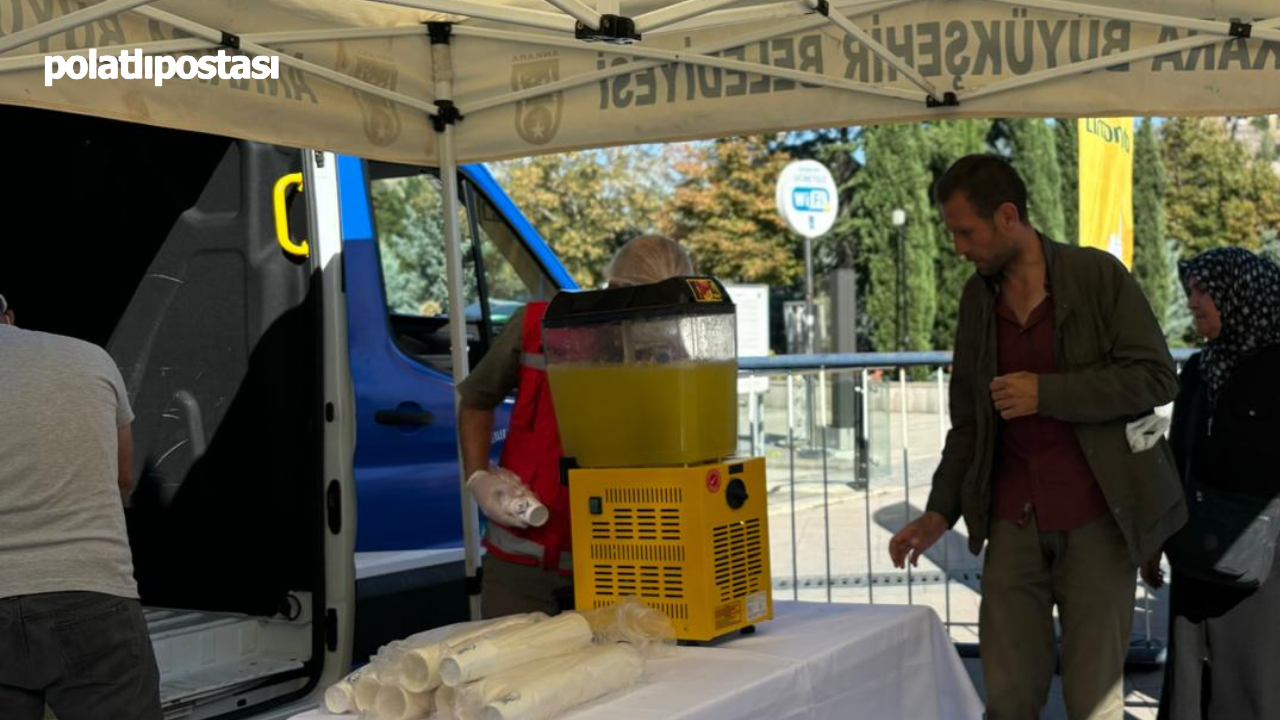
[{"x": 692, "y": 542}]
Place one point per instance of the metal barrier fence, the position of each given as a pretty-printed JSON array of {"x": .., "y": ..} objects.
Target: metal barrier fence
[{"x": 851, "y": 442}]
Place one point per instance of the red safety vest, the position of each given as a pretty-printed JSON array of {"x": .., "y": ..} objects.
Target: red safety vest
[{"x": 533, "y": 452}]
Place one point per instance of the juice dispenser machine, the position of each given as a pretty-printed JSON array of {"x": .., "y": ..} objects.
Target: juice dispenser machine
[{"x": 644, "y": 381}]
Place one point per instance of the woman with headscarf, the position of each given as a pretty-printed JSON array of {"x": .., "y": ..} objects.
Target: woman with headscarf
[{"x": 1224, "y": 628}]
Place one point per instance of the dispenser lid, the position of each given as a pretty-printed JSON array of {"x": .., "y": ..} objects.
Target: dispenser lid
[{"x": 674, "y": 297}]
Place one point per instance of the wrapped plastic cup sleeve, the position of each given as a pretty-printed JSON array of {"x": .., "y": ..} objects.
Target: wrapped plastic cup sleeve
[
  {"x": 366, "y": 690},
  {"x": 587, "y": 675},
  {"x": 420, "y": 668},
  {"x": 445, "y": 701},
  {"x": 395, "y": 703},
  {"x": 340, "y": 698},
  {"x": 560, "y": 635}
]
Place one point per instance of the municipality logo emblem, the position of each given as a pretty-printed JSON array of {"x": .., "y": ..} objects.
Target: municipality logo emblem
[
  {"x": 381, "y": 116},
  {"x": 538, "y": 118}
]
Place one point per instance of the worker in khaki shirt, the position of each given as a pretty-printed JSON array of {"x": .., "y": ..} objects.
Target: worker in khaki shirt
[
  {"x": 1056, "y": 351},
  {"x": 529, "y": 567}
]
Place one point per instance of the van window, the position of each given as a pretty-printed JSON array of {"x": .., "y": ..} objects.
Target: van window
[
  {"x": 408, "y": 212},
  {"x": 512, "y": 275},
  {"x": 500, "y": 274}
]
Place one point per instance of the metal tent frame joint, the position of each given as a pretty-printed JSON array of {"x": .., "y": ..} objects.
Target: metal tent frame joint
[
  {"x": 823, "y": 8},
  {"x": 448, "y": 114},
  {"x": 949, "y": 99},
  {"x": 230, "y": 40},
  {"x": 439, "y": 32},
  {"x": 1241, "y": 30},
  {"x": 614, "y": 29}
]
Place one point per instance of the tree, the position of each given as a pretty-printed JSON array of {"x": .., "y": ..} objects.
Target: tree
[
  {"x": 948, "y": 141},
  {"x": 1029, "y": 144},
  {"x": 1178, "y": 331},
  {"x": 1151, "y": 261},
  {"x": 410, "y": 223},
  {"x": 587, "y": 204},
  {"x": 1217, "y": 195},
  {"x": 894, "y": 175},
  {"x": 723, "y": 211},
  {"x": 1066, "y": 140}
]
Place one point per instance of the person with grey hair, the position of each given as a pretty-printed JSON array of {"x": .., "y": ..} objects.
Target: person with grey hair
[
  {"x": 647, "y": 259},
  {"x": 72, "y": 631},
  {"x": 528, "y": 566}
]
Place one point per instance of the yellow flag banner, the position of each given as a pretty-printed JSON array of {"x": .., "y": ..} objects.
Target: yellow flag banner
[{"x": 1106, "y": 185}]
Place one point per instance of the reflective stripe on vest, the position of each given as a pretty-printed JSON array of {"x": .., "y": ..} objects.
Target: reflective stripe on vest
[
  {"x": 511, "y": 544},
  {"x": 537, "y": 361}
]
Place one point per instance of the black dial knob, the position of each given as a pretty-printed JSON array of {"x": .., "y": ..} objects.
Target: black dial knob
[{"x": 736, "y": 494}]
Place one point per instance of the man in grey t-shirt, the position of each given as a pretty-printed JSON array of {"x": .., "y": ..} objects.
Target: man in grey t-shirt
[{"x": 72, "y": 632}]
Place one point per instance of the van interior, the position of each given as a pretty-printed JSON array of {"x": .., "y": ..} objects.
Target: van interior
[{"x": 159, "y": 245}]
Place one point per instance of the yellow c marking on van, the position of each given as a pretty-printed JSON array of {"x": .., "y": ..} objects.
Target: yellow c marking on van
[{"x": 299, "y": 249}]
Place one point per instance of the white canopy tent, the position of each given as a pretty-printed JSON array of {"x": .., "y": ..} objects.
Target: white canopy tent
[
  {"x": 360, "y": 76},
  {"x": 439, "y": 82}
]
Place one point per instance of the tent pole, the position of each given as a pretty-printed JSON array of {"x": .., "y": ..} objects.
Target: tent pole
[
  {"x": 772, "y": 11},
  {"x": 360, "y": 33},
  {"x": 486, "y": 11},
  {"x": 672, "y": 56},
  {"x": 1099, "y": 63},
  {"x": 850, "y": 27},
  {"x": 469, "y": 107},
  {"x": 656, "y": 19},
  {"x": 579, "y": 12},
  {"x": 254, "y": 48},
  {"x": 19, "y": 63},
  {"x": 67, "y": 22},
  {"x": 442, "y": 69},
  {"x": 1217, "y": 27}
]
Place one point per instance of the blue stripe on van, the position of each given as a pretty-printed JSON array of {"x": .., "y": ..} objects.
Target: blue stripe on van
[{"x": 357, "y": 221}]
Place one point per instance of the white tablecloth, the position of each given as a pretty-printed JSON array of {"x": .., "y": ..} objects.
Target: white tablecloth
[{"x": 814, "y": 661}]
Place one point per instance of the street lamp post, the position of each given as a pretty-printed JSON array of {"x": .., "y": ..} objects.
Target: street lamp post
[
  {"x": 900, "y": 222},
  {"x": 809, "y": 320}
]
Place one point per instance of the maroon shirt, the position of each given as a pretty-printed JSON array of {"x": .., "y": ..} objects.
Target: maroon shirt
[{"x": 1040, "y": 467}]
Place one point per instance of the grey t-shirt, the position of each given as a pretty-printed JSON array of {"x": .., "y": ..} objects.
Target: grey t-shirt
[{"x": 62, "y": 525}]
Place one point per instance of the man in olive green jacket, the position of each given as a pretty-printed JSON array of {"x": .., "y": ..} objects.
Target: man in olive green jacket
[{"x": 1056, "y": 351}]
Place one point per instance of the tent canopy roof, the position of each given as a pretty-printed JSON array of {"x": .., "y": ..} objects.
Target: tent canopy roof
[{"x": 521, "y": 77}]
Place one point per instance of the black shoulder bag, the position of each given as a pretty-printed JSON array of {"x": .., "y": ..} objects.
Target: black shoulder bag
[{"x": 1230, "y": 537}]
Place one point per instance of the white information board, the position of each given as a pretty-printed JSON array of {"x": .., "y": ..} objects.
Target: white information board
[{"x": 752, "y": 305}]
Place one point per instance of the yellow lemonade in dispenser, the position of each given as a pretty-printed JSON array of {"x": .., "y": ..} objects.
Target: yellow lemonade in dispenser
[{"x": 619, "y": 415}]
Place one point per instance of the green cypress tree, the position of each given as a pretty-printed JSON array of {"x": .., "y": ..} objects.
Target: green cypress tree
[
  {"x": 948, "y": 141},
  {"x": 1030, "y": 146},
  {"x": 1177, "y": 318},
  {"x": 1066, "y": 140},
  {"x": 1218, "y": 195},
  {"x": 895, "y": 176},
  {"x": 1151, "y": 262}
]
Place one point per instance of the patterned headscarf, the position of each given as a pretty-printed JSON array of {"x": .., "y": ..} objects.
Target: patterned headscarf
[{"x": 1246, "y": 290}]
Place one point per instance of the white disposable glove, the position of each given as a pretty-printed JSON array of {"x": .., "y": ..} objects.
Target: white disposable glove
[
  {"x": 1144, "y": 432},
  {"x": 504, "y": 498}
]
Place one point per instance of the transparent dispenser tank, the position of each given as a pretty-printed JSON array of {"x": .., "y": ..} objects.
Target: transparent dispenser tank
[{"x": 644, "y": 376}]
